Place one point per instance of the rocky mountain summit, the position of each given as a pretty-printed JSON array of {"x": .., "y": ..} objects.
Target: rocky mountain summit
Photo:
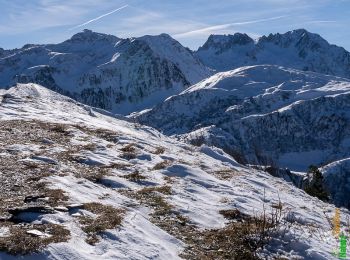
[
  {"x": 297, "y": 49},
  {"x": 119, "y": 75}
]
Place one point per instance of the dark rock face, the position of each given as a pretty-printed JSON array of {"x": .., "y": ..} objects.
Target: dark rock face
[{"x": 225, "y": 42}]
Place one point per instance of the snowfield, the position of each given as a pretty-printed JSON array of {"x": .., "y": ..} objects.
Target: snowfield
[
  {"x": 262, "y": 114},
  {"x": 196, "y": 182}
]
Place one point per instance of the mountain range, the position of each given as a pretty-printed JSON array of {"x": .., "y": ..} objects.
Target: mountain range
[
  {"x": 120, "y": 75},
  {"x": 298, "y": 49},
  {"x": 181, "y": 145}
]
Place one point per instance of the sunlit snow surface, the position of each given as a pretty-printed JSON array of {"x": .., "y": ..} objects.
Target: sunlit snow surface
[{"x": 198, "y": 194}]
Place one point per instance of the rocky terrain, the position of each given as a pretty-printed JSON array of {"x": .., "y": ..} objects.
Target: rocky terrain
[
  {"x": 298, "y": 49},
  {"x": 264, "y": 115},
  {"x": 80, "y": 184},
  {"x": 119, "y": 75},
  {"x": 140, "y": 148}
]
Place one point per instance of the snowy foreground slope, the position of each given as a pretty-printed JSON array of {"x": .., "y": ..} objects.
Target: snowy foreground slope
[
  {"x": 263, "y": 114},
  {"x": 120, "y": 75},
  {"x": 298, "y": 49},
  {"x": 74, "y": 144}
]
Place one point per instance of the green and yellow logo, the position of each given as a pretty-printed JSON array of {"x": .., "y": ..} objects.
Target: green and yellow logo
[{"x": 341, "y": 252}]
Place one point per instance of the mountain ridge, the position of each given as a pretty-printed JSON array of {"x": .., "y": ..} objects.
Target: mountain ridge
[
  {"x": 105, "y": 71},
  {"x": 243, "y": 110},
  {"x": 297, "y": 49}
]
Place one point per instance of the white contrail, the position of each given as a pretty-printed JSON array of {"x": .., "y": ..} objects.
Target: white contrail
[
  {"x": 98, "y": 18},
  {"x": 321, "y": 21},
  {"x": 224, "y": 26}
]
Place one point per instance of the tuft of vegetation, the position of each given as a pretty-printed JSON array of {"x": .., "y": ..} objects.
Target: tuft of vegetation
[
  {"x": 59, "y": 128},
  {"x": 197, "y": 138},
  {"x": 152, "y": 197},
  {"x": 129, "y": 152},
  {"x": 129, "y": 148},
  {"x": 20, "y": 242},
  {"x": 136, "y": 176},
  {"x": 159, "y": 150},
  {"x": 226, "y": 174},
  {"x": 166, "y": 190},
  {"x": 96, "y": 175},
  {"x": 314, "y": 184},
  {"x": 233, "y": 214},
  {"x": 118, "y": 166},
  {"x": 55, "y": 197},
  {"x": 240, "y": 239},
  {"x": 108, "y": 217},
  {"x": 162, "y": 165},
  {"x": 90, "y": 147}
]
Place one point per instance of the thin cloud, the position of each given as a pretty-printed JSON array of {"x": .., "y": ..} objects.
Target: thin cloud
[
  {"x": 98, "y": 18},
  {"x": 224, "y": 26},
  {"x": 320, "y": 21}
]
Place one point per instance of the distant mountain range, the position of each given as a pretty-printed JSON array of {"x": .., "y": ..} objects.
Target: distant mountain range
[
  {"x": 128, "y": 75},
  {"x": 282, "y": 99},
  {"x": 263, "y": 114}
]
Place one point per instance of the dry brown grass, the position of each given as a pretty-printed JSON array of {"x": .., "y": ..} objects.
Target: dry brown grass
[
  {"x": 152, "y": 197},
  {"x": 159, "y": 150},
  {"x": 118, "y": 166},
  {"x": 59, "y": 128},
  {"x": 19, "y": 242},
  {"x": 184, "y": 162},
  {"x": 129, "y": 152},
  {"x": 97, "y": 175},
  {"x": 169, "y": 179},
  {"x": 108, "y": 135},
  {"x": 240, "y": 239},
  {"x": 108, "y": 217},
  {"x": 56, "y": 196},
  {"x": 226, "y": 174},
  {"x": 89, "y": 147},
  {"x": 162, "y": 165},
  {"x": 136, "y": 176},
  {"x": 166, "y": 190},
  {"x": 129, "y": 148},
  {"x": 233, "y": 214},
  {"x": 23, "y": 188}
]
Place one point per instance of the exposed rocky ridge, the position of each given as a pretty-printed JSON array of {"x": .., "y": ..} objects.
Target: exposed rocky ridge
[
  {"x": 120, "y": 75},
  {"x": 297, "y": 49},
  {"x": 263, "y": 114},
  {"x": 337, "y": 181}
]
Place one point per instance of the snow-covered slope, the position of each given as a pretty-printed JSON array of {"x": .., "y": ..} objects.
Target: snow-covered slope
[
  {"x": 68, "y": 140},
  {"x": 120, "y": 75},
  {"x": 337, "y": 180},
  {"x": 297, "y": 49},
  {"x": 263, "y": 114}
]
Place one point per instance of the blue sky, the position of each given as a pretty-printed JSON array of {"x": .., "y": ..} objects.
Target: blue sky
[{"x": 188, "y": 21}]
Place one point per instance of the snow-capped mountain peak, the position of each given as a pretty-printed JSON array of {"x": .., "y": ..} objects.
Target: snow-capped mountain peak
[
  {"x": 90, "y": 36},
  {"x": 297, "y": 49},
  {"x": 120, "y": 75},
  {"x": 223, "y": 42}
]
